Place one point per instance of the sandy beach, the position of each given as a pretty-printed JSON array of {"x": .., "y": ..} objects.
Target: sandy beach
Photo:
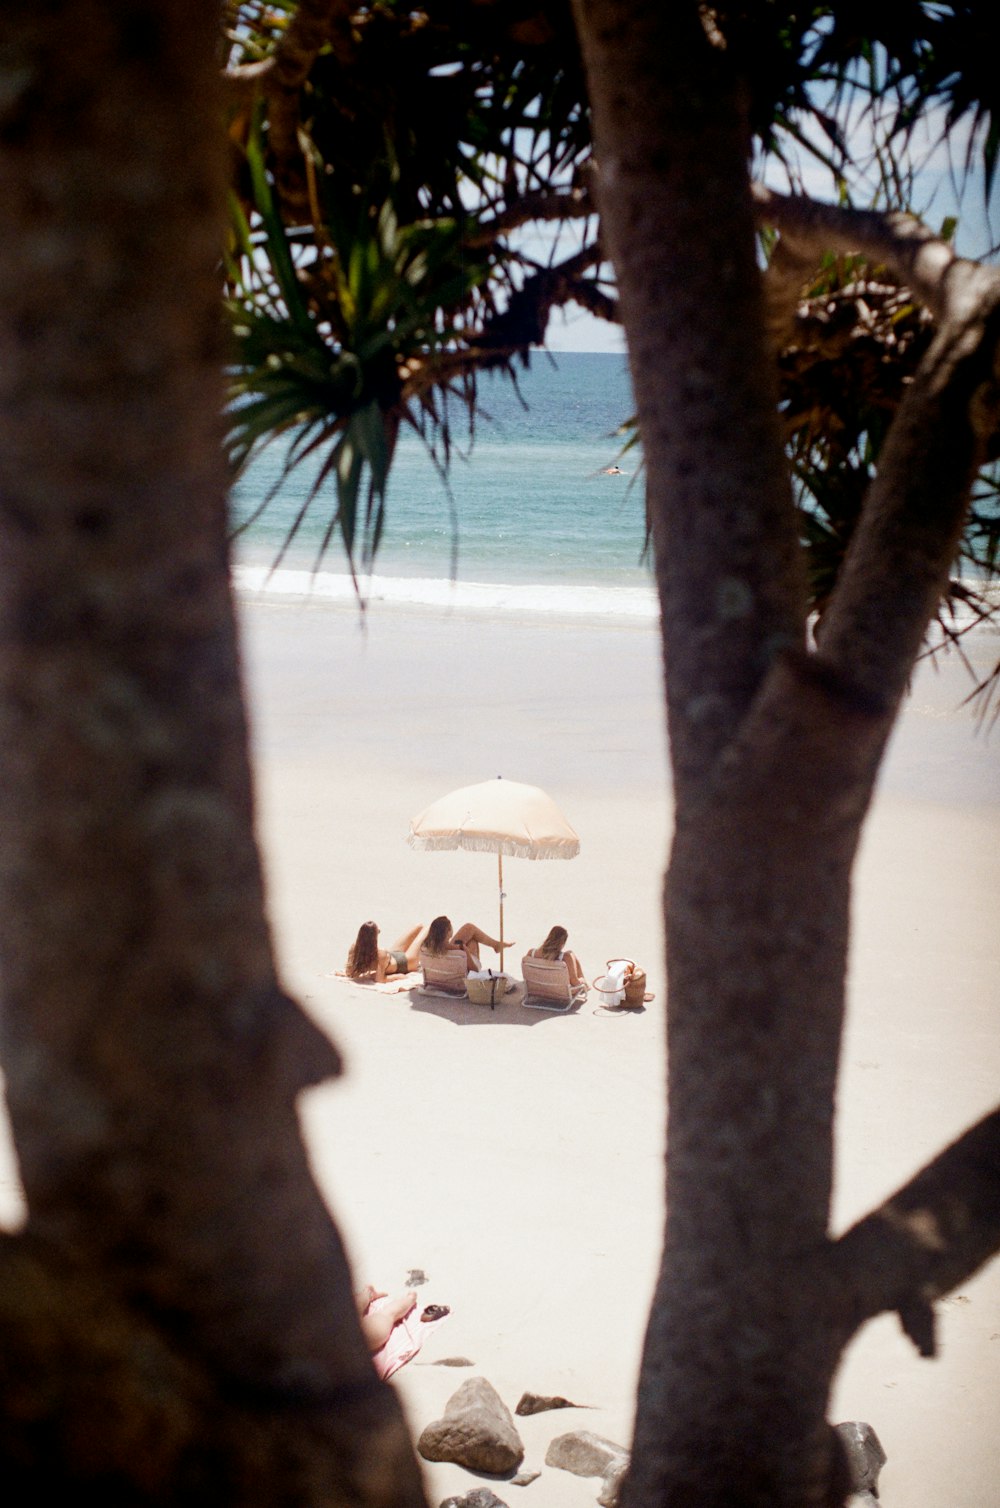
[{"x": 516, "y": 1157}]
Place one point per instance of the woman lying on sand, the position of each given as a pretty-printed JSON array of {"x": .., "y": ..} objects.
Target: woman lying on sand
[
  {"x": 441, "y": 940},
  {"x": 554, "y": 946},
  {"x": 371, "y": 964}
]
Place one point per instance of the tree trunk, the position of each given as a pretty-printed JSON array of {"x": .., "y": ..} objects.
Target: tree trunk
[
  {"x": 746, "y": 1327},
  {"x": 773, "y": 761},
  {"x": 152, "y": 1059}
]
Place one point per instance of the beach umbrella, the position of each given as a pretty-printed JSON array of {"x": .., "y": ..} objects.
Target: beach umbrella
[{"x": 498, "y": 816}]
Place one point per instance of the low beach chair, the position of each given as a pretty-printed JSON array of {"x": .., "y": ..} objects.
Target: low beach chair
[
  {"x": 444, "y": 973},
  {"x": 547, "y": 986}
]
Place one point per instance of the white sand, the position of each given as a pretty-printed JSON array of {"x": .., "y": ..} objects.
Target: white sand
[
  {"x": 522, "y": 1169},
  {"x": 517, "y": 1157}
]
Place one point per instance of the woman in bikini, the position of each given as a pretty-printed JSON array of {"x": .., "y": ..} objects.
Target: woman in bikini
[
  {"x": 370, "y": 964},
  {"x": 440, "y": 940},
  {"x": 554, "y": 946}
]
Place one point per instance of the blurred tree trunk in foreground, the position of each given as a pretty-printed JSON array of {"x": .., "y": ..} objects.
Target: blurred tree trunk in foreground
[{"x": 177, "y": 1319}]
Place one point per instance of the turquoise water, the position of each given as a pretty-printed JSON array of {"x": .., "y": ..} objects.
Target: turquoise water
[{"x": 529, "y": 520}]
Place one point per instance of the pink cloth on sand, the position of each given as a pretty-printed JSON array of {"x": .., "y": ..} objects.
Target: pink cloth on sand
[{"x": 405, "y": 1338}]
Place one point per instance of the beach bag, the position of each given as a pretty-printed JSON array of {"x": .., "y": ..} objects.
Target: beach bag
[
  {"x": 486, "y": 988},
  {"x": 623, "y": 985},
  {"x": 635, "y": 986}
]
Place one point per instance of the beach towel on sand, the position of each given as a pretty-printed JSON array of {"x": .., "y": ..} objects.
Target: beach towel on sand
[
  {"x": 394, "y": 985},
  {"x": 405, "y": 1339}
]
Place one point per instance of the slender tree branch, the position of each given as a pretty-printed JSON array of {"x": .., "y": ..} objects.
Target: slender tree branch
[
  {"x": 576, "y": 204},
  {"x": 314, "y": 24},
  {"x": 792, "y": 267},
  {"x": 245, "y": 80},
  {"x": 601, "y": 305},
  {"x": 949, "y": 285},
  {"x": 525, "y": 319},
  {"x": 580, "y": 262},
  {"x": 495, "y": 345},
  {"x": 930, "y": 1236}
]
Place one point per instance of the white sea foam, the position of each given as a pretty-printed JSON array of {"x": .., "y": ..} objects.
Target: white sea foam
[
  {"x": 573, "y": 600},
  {"x": 550, "y": 599}
]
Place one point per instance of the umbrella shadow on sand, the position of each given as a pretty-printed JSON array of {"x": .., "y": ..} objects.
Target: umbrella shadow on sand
[{"x": 508, "y": 1012}]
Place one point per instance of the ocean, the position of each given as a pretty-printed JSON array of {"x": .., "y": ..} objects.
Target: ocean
[{"x": 531, "y": 519}]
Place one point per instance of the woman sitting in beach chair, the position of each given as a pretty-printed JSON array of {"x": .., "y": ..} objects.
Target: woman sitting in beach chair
[
  {"x": 370, "y": 964},
  {"x": 554, "y": 947},
  {"x": 441, "y": 942}
]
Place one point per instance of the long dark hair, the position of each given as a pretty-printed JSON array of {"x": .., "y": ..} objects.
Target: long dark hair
[
  {"x": 438, "y": 939},
  {"x": 364, "y": 954},
  {"x": 553, "y": 944}
]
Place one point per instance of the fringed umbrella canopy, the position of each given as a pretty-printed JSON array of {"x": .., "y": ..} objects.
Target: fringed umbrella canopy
[{"x": 497, "y": 816}]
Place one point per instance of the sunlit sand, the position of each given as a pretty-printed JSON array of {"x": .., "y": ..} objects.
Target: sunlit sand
[{"x": 516, "y": 1157}]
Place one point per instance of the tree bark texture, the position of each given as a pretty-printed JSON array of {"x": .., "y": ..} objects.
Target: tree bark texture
[
  {"x": 775, "y": 749},
  {"x": 152, "y": 1058}
]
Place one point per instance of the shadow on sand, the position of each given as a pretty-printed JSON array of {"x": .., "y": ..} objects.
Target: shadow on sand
[{"x": 508, "y": 1011}]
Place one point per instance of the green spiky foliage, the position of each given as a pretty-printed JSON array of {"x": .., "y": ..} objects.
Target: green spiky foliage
[
  {"x": 921, "y": 58},
  {"x": 325, "y": 341},
  {"x": 363, "y": 291}
]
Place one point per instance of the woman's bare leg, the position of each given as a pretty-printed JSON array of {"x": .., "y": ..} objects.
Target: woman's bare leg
[
  {"x": 365, "y": 1297},
  {"x": 410, "y": 943},
  {"x": 576, "y": 975},
  {"x": 468, "y": 933},
  {"x": 377, "y": 1327}
]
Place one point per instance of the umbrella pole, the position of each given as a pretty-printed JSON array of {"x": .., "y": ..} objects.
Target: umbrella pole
[{"x": 500, "y": 874}]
